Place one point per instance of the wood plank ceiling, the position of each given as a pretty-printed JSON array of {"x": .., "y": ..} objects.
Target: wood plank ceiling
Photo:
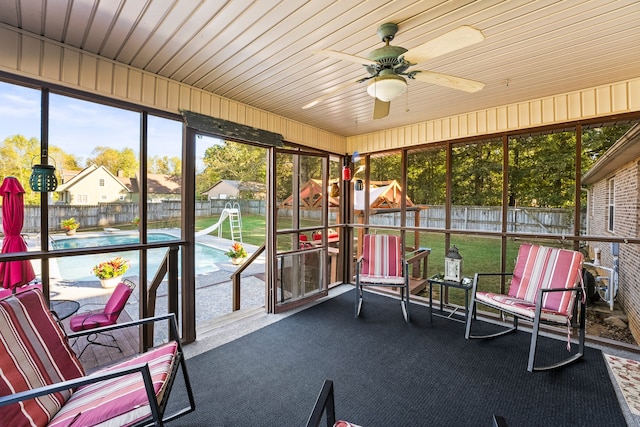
[{"x": 261, "y": 52}]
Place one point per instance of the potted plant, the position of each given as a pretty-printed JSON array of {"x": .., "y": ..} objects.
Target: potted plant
[
  {"x": 136, "y": 221},
  {"x": 70, "y": 226},
  {"x": 110, "y": 272},
  {"x": 237, "y": 253}
]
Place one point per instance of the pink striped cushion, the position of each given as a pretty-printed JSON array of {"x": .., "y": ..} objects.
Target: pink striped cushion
[
  {"x": 34, "y": 352},
  {"x": 121, "y": 401},
  {"x": 540, "y": 267},
  {"x": 381, "y": 256},
  {"x": 520, "y": 307}
]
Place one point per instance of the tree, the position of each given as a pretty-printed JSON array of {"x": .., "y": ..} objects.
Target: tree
[
  {"x": 165, "y": 165},
  {"x": 233, "y": 161},
  {"x": 115, "y": 161}
]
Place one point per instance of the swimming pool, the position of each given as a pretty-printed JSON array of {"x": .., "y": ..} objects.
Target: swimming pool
[{"x": 78, "y": 268}]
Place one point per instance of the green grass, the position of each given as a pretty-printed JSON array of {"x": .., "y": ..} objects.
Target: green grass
[{"x": 480, "y": 254}]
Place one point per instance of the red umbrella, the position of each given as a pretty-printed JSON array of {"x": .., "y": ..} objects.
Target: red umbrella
[{"x": 13, "y": 273}]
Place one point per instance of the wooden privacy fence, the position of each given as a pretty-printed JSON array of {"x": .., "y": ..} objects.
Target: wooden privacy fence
[
  {"x": 476, "y": 218},
  {"x": 118, "y": 214}
]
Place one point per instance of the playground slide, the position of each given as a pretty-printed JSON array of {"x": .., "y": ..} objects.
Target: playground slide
[{"x": 223, "y": 215}]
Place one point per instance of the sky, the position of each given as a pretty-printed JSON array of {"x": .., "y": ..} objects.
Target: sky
[{"x": 79, "y": 126}]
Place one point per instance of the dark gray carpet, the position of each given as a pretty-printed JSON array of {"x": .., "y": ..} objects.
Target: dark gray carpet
[{"x": 388, "y": 373}]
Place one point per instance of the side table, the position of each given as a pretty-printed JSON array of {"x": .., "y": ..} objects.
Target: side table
[
  {"x": 466, "y": 284},
  {"x": 63, "y": 307}
]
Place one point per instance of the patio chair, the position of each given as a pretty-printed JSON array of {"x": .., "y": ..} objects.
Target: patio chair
[
  {"x": 108, "y": 316},
  {"x": 325, "y": 406},
  {"x": 382, "y": 264},
  {"x": 545, "y": 284}
]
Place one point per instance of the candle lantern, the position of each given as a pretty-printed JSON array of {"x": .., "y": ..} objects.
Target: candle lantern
[
  {"x": 453, "y": 265},
  {"x": 43, "y": 177}
]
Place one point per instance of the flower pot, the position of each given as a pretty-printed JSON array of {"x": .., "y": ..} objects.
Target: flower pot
[
  {"x": 111, "y": 282},
  {"x": 71, "y": 232},
  {"x": 237, "y": 261}
]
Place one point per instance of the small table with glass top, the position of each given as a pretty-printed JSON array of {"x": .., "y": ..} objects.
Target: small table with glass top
[
  {"x": 63, "y": 307},
  {"x": 466, "y": 284}
]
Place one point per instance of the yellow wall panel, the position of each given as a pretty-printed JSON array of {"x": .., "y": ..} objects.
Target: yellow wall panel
[
  {"x": 104, "y": 77},
  {"x": 148, "y": 89},
  {"x": 588, "y": 99},
  {"x": 561, "y": 109},
  {"x": 634, "y": 95},
  {"x": 135, "y": 85},
  {"x": 30, "y": 56},
  {"x": 9, "y": 49},
  {"x": 492, "y": 120},
  {"x": 121, "y": 81},
  {"x": 512, "y": 117},
  {"x": 173, "y": 96},
  {"x": 184, "y": 97},
  {"x": 548, "y": 110},
  {"x": 574, "y": 105},
  {"x": 454, "y": 128},
  {"x": 535, "y": 112},
  {"x": 88, "y": 72},
  {"x": 195, "y": 99},
  {"x": 51, "y": 57},
  {"x": 619, "y": 94},
  {"x": 603, "y": 100},
  {"x": 162, "y": 93},
  {"x": 524, "y": 114}
]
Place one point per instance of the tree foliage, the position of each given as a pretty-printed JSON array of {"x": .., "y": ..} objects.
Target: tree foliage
[
  {"x": 233, "y": 161},
  {"x": 115, "y": 161}
]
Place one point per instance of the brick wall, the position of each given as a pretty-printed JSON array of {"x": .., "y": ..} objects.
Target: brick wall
[{"x": 626, "y": 217}]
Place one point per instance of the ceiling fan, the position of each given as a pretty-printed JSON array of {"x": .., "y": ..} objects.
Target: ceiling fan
[{"x": 389, "y": 65}]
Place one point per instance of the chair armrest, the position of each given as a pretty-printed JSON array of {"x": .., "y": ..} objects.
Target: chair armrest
[
  {"x": 171, "y": 317},
  {"x": 324, "y": 402},
  {"x": 142, "y": 368}
]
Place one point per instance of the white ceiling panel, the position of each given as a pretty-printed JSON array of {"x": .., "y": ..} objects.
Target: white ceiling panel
[{"x": 261, "y": 52}]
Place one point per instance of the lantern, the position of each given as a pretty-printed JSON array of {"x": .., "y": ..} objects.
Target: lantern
[
  {"x": 453, "y": 265},
  {"x": 43, "y": 178}
]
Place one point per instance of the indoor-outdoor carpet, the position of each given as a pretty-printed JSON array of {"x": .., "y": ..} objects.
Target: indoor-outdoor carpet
[
  {"x": 388, "y": 373},
  {"x": 627, "y": 374}
]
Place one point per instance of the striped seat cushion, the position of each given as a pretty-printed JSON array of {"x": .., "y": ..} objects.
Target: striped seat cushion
[
  {"x": 519, "y": 307},
  {"x": 34, "y": 352},
  {"x": 120, "y": 401},
  {"x": 381, "y": 259},
  {"x": 540, "y": 267}
]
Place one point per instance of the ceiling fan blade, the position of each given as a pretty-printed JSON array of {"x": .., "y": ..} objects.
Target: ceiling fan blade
[
  {"x": 345, "y": 57},
  {"x": 448, "y": 81},
  {"x": 453, "y": 40},
  {"x": 330, "y": 94},
  {"x": 380, "y": 109}
]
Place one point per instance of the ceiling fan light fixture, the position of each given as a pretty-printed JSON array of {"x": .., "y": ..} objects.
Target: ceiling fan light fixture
[{"x": 387, "y": 87}]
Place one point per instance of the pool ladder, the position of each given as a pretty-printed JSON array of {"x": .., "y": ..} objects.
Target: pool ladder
[{"x": 235, "y": 221}]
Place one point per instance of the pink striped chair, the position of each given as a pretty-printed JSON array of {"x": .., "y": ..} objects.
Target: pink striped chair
[
  {"x": 43, "y": 383},
  {"x": 545, "y": 285},
  {"x": 382, "y": 264}
]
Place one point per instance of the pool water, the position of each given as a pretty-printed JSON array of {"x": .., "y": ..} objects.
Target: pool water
[{"x": 78, "y": 268}]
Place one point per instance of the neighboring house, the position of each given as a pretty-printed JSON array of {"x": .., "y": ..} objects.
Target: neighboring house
[
  {"x": 231, "y": 189},
  {"x": 612, "y": 210},
  {"x": 159, "y": 187},
  {"x": 92, "y": 185}
]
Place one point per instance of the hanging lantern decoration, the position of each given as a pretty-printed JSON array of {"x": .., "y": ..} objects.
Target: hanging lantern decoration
[
  {"x": 453, "y": 265},
  {"x": 43, "y": 177}
]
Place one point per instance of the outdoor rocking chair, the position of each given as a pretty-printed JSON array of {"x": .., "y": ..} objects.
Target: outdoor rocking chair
[
  {"x": 382, "y": 264},
  {"x": 108, "y": 316},
  {"x": 545, "y": 285}
]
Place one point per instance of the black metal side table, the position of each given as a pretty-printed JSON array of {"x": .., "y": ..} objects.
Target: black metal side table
[{"x": 466, "y": 284}]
